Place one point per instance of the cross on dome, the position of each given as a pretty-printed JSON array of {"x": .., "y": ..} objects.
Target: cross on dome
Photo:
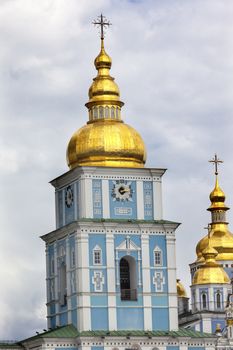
[
  {"x": 216, "y": 161},
  {"x": 102, "y": 22},
  {"x": 208, "y": 228}
]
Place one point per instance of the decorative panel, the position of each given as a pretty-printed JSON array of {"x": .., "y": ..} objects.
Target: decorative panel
[
  {"x": 97, "y": 198},
  {"x": 148, "y": 200}
]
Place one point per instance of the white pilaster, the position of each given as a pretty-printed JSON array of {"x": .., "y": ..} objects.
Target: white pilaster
[
  {"x": 211, "y": 298},
  {"x": 84, "y": 312},
  {"x": 206, "y": 325},
  {"x": 68, "y": 285},
  {"x": 105, "y": 199},
  {"x": 75, "y": 201},
  {"x": 47, "y": 281},
  {"x": 56, "y": 285},
  {"x": 88, "y": 198},
  {"x": 111, "y": 282},
  {"x": 63, "y": 208},
  {"x": 57, "y": 209},
  {"x": 82, "y": 199},
  {"x": 140, "y": 200},
  {"x": 172, "y": 291},
  {"x": 157, "y": 198},
  {"x": 146, "y": 282}
]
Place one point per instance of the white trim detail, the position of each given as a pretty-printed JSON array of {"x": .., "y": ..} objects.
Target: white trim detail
[
  {"x": 158, "y": 281},
  {"x": 98, "y": 281}
]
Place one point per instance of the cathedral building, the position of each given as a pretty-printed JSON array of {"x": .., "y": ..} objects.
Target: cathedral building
[{"x": 110, "y": 262}]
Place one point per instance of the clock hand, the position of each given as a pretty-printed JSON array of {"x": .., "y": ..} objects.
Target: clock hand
[{"x": 124, "y": 190}]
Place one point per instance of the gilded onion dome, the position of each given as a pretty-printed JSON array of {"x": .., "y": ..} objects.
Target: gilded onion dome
[
  {"x": 181, "y": 292},
  {"x": 105, "y": 140},
  {"x": 210, "y": 271},
  {"x": 221, "y": 238}
]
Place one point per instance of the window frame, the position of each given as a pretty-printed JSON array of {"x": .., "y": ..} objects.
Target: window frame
[
  {"x": 157, "y": 250},
  {"x": 97, "y": 250}
]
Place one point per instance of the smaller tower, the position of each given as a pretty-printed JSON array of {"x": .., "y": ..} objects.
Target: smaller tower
[
  {"x": 210, "y": 287},
  {"x": 229, "y": 317},
  {"x": 221, "y": 237}
]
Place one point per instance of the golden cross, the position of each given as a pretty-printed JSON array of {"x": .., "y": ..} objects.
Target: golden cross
[
  {"x": 102, "y": 22},
  {"x": 216, "y": 161},
  {"x": 209, "y": 229}
]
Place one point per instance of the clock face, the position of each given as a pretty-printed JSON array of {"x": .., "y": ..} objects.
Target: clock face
[
  {"x": 69, "y": 197},
  {"x": 122, "y": 190}
]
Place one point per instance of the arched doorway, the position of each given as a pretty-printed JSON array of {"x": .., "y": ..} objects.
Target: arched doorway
[{"x": 128, "y": 278}]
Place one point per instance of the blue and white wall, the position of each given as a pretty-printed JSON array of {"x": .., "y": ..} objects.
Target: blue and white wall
[
  {"x": 92, "y": 195},
  {"x": 85, "y": 290},
  {"x": 93, "y": 291}
]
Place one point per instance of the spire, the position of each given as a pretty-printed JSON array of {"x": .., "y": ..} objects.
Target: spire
[
  {"x": 221, "y": 238},
  {"x": 105, "y": 140},
  {"x": 104, "y": 95},
  {"x": 217, "y": 197}
]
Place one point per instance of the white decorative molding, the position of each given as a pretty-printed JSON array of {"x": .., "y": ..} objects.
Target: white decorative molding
[
  {"x": 98, "y": 281},
  {"x": 158, "y": 281},
  {"x": 128, "y": 245}
]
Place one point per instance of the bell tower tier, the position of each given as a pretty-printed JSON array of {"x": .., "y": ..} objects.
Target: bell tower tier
[{"x": 111, "y": 261}]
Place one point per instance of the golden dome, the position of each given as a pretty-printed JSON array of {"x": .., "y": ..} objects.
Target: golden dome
[
  {"x": 217, "y": 197},
  {"x": 210, "y": 271},
  {"x": 181, "y": 292},
  {"x": 106, "y": 143},
  {"x": 221, "y": 238},
  {"x": 105, "y": 140}
]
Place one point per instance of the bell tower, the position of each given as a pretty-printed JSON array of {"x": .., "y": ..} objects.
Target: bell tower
[{"x": 111, "y": 259}]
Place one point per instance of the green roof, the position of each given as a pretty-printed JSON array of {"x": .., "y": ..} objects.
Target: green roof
[
  {"x": 161, "y": 222},
  {"x": 9, "y": 345},
  {"x": 71, "y": 332}
]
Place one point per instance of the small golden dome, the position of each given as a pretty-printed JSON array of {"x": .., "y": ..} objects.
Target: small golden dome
[
  {"x": 217, "y": 197},
  {"x": 210, "y": 271},
  {"x": 181, "y": 292},
  {"x": 221, "y": 239},
  {"x": 103, "y": 60},
  {"x": 105, "y": 140}
]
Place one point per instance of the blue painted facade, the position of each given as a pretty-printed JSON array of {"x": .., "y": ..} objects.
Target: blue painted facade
[{"x": 84, "y": 261}]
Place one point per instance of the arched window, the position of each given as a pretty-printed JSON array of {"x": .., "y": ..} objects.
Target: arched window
[
  {"x": 218, "y": 300},
  {"x": 106, "y": 112},
  {"x": 101, "y": 112},
  {"x": 128, "y": 278},
  {"x": 112, "y": 112},
  {"x": 52, "y": 266},
  {"x": 72, "y": 257},
  {"x": 204, "y": 301},
  {"x": 61, "y": 251},
  {"x": 158, "y": 257},
  {"x": 95, "y": 113},
  {"x": 97, "y": 255},
  {"x": 63, "y": 285}
]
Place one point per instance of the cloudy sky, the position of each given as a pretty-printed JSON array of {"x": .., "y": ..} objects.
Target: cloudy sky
[{"x": 173, "y": 62}]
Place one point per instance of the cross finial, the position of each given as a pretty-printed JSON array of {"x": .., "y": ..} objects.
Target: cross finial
[
  {"x": 208, "y": 228},
  {"x": 102, "y": 22},
  {"x": 216, "y": 161}
]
